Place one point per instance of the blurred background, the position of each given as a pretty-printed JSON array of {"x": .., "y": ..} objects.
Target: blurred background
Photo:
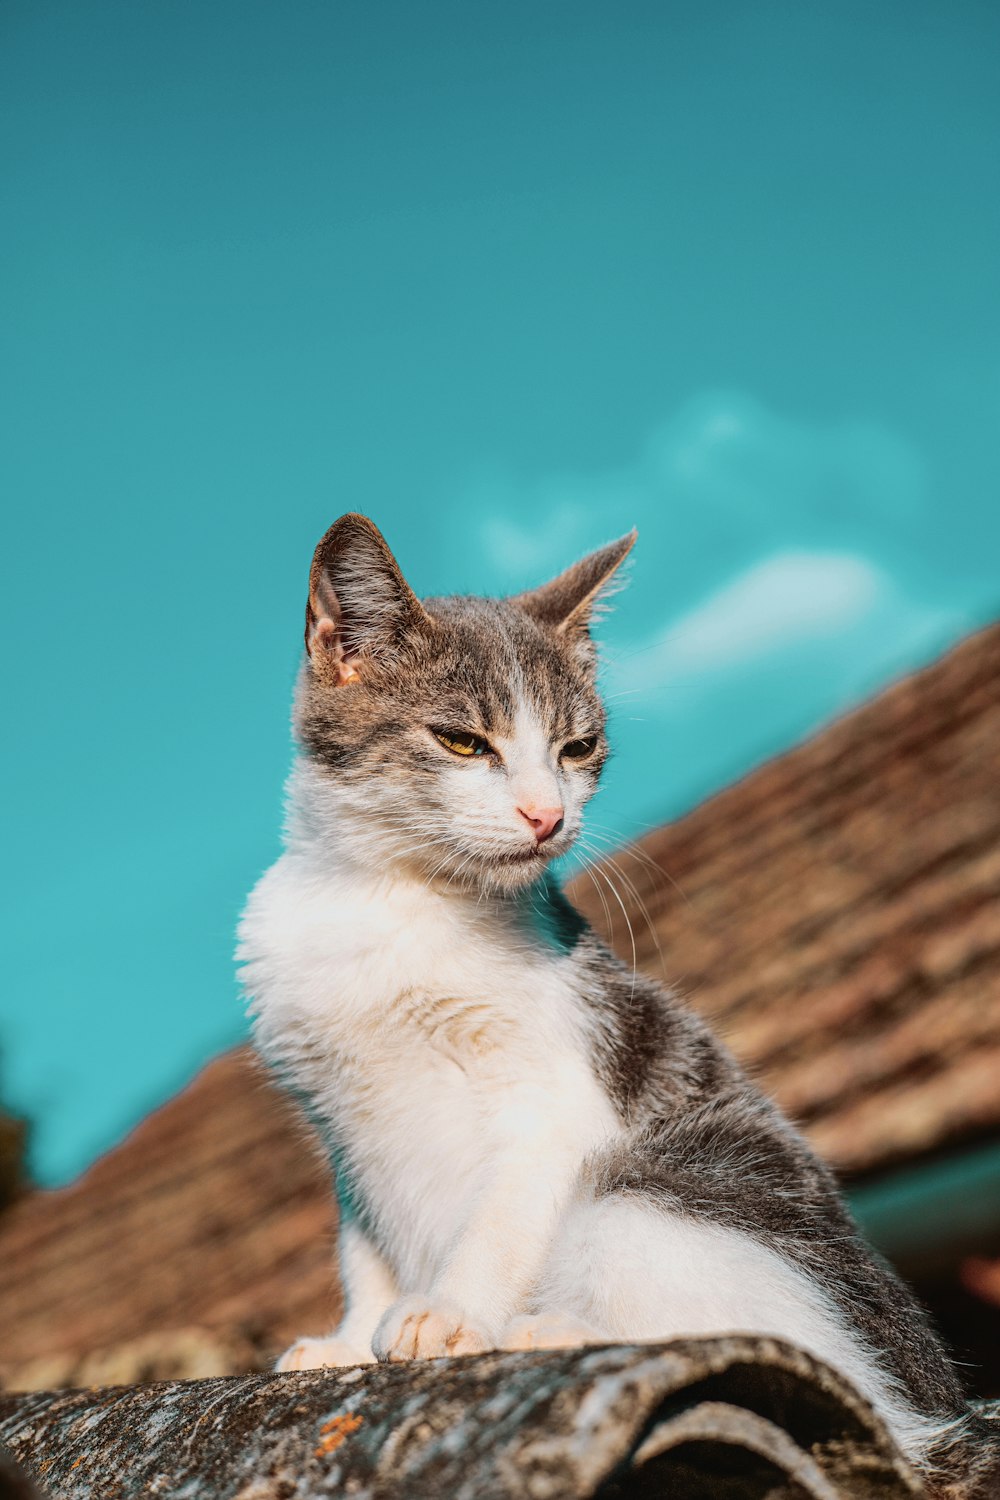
[{"x": 509, "y": 279}]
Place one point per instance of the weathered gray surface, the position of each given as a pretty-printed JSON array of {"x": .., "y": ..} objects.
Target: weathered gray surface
[{"x": 714, "y": 1419}]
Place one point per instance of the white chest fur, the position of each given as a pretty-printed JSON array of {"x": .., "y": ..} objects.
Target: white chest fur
[{"x": 434, "y": 1035}]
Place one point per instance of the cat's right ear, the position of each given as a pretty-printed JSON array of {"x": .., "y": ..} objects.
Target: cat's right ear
[
  {"x": 360, "y": 605},
  {"x": 568, "y": 603}
]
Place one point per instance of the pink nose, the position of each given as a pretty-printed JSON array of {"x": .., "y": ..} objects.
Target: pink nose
[{"x": 544, "y": 821}]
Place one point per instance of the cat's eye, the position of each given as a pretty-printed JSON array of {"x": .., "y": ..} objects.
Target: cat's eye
[
  {"x": 579, "y": 749},
  {"x": 461, "y": 742}
]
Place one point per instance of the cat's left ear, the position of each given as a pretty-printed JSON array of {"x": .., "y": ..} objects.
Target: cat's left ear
[
  {"x": 360, "y": 607},
  {"x": 568, "y": 604}
]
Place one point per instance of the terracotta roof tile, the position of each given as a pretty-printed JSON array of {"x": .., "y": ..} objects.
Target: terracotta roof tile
[
  {"x": 836, "y": 915},
  {"x": 213, "y": 1214}
]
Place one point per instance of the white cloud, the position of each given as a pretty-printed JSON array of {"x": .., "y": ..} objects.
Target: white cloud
[
  {"x": 720, "y": 482},
  {"x": 782, "y": 571},
  {"x": 832, "y": 624},
  {"x": 787, "y": 597},
  {"x": 725, "y": 450}
]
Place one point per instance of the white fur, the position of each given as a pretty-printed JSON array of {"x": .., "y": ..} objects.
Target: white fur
[{"x": 439, "y": 1039}]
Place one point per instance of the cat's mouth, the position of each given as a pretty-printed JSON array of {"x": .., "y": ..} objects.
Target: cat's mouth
[
  {"x": 512, "y": 869},
  {"x": 526, "y": 856},
  {"x": 508, "y": 867}
]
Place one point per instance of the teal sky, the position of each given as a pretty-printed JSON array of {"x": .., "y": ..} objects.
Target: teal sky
[{"x": 510, "y": 279}]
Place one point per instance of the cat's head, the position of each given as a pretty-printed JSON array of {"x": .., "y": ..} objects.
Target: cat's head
[{"x": 459, "y": 737}]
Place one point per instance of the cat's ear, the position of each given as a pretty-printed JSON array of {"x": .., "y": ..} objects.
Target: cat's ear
[
  {"x": 360, "y": 605},
  {"x": 569, "y": 603}
]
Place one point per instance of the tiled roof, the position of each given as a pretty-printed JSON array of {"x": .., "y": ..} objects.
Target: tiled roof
[
  {"x": 836, "y": 913},
  {"x": 213, "y": 1215},
  {"x": 837, "y": 916}
]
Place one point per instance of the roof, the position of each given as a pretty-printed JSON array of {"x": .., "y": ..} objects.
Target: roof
[
  {"x": 836, "y": 916},
  {"x": 203, "y": 1243},
  {"x": 734, "y": 1415},
  {"x": 835, "y": 913}
]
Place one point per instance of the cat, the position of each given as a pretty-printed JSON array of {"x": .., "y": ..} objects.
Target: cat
[{"x": 533, "y": 1145}]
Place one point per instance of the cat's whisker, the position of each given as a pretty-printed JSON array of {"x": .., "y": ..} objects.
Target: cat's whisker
[
  {"x": 588, "y": 871},
  {"x": 635, "y": 851},
  {"x": 614, "y": 891},
  {"x": 640, "y": 903},
  {"x": 605, "y": 859},
  {"x": 614, "y": 853}
]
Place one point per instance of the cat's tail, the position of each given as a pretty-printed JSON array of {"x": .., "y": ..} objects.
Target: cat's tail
[{"x": 964, "y": 1458}]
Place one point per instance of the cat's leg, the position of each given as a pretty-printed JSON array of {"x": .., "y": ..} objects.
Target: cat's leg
[
  {"x": 488, "y": 1275},
  {"x": 368, "y": 1288},
  {"x": 634, "y": 1271}
]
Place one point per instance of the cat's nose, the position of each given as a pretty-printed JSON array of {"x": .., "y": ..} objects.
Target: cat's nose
[{"x": 544, "y": 821}]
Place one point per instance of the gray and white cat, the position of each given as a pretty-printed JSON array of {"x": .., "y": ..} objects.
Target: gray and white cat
[{"x": 533, "y": 1145}]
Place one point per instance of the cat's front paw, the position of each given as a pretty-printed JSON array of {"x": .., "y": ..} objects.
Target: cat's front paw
[
  {"x": 418, "y": 1328},
  {"x": 319, "y": 1354}
]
